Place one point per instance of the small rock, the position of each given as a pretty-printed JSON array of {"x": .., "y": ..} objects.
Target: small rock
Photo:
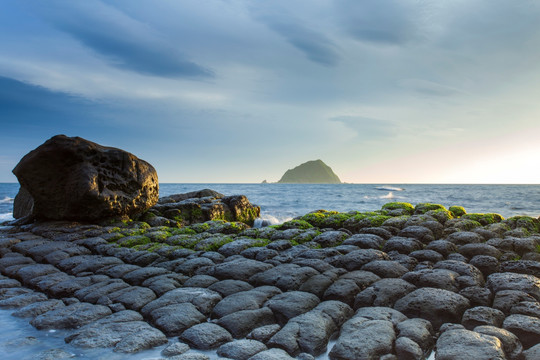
[
  {"x": 206, "y": 336},
  {"x": 482, "y": 315},
  {"x": 454, "y": 344},
  {"x": 241, "y": 349}
]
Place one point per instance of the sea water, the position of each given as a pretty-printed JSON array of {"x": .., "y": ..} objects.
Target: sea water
[{"x": 282, "y": 202}]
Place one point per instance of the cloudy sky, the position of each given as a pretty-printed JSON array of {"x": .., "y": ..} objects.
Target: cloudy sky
[{"x": 383, "y": 91}]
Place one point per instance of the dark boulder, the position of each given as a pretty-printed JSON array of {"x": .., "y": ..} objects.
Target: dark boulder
[{"x": 76, "y": 179}]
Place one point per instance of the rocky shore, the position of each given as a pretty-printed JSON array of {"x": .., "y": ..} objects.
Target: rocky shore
[{"x": 391, "y": 284}]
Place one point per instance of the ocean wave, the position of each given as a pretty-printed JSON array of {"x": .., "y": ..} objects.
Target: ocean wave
[
  {"x": 7, "y": 200},
  {"x": 6, "y": 217},
  {"x": 266, "y": 220},
  {"x": 389, "y": 188}
]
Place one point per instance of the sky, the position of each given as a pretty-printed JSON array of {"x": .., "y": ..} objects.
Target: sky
[{"x": 216, "y": 91}]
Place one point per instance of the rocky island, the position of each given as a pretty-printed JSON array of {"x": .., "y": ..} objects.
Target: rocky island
[
  {"x": 311, "y": 172},
  {"x": 189, "y": 273}
]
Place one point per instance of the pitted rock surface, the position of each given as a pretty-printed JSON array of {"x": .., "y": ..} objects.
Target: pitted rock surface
[
  {"x": 73, "y": 178},
  {"x": 412, "y": 283}
]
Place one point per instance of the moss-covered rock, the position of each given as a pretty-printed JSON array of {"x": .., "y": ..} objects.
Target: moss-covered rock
[
  {"x": 326, "y": 219},
  {"x": 457, "y": 211},
  {"x": 363, "y": 220},
  {"x": 527, "y": 222},
  {"x": 397, "y": 221},
  {"x": 212, "y": 243},
  {"x": 441, "y": 215},
  {"x": 131, "y": 241},
  {"x": 423, "y": 208},
  {"x": 484, "y": 219},
  {"x": 398, "y": 208},
  {"x": 462, "y": 224},
  {"x": 295, "y": 224}
]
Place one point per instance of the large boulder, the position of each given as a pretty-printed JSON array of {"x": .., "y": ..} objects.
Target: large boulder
[{"x": 75, "y": 179}]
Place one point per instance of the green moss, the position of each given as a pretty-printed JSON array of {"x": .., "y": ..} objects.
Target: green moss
[
  {"x": 132, "y": 232},
  {"x": 537, "y": 248},
  {"x": 441, "y": 215},
  {"x": 422, "y": 208},
  {"x": 183, "y": 231},
  {"x": 318, "y": 217},
  {"x": 133, "y": 240},
  {"x": 484, "y": 219},
  {"x": 295, "y": 224},
  {"x": 306, "y": 236},
  {"x": 260, "y": 242},
  {"x": 201, "y": 227},
  {"x": 457, "y": 211},
  {"x": 213, "y": 243},
  {"x": 462, "y": 224},
  {"x": 406, "y": 208},
  {"x": 397, "y": 221},
  {"x": 158, "y": 236},
  {"x": 248, "y": 215},
  {"x": 526, "y": 222}
]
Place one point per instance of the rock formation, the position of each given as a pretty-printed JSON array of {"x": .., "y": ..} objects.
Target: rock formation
[
  {"x": 75, "y": 179},
  {"x": 311, "y": 172}
]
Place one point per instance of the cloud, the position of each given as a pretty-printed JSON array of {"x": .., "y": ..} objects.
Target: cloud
[
  {"x": 316, "y": 46},
  {"x": 125, "y": 42},
  {"x": 379, "y": 21},
  {"x": 368, "y": 128},
  {"x": 428, "y": 87}
]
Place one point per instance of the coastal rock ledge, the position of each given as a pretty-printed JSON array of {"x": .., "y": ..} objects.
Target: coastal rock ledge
[{"x": 70, "y": 178}]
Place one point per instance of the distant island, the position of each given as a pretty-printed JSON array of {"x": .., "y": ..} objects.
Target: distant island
[{"x": 311, "y": 172}]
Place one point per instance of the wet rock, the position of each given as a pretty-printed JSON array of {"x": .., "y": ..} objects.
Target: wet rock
[
  {"x": 38, "y": 308},
  {"x": 245, "y": 300},
  {"x": 427, "y": 255},
  {"x": 190, "y": 266},
  {"x": 418, "y": 330},
  {"x": 512, "y": 281},
  {"x": 239, "y": 269},
  {"x": 421, "y": 233},
  {"x": 176, "y": 318},
  {"x": 29, "y": 272},
  {"x": 510, "y": 343},
  {"x": 318, "y": 284},
  {"x": 286, "y": 276},
  {"x": 291, "y": 304},
  {"x": 70, "y": 317},
  {"x": 206, "y": 336},
  {"x": 464, "y": 237},
  {"x": 124, "y": 330},
  {"x": 93, "y": 292},
  {"x": 504, "y": 300},
  {"x": 229, "y": 287},
  {"x": 533, "y": 353},
  {"x": 331, "y": 238},
  {"x": 164, "y": 283},
  {"x": 402, "y": 245},
  {"x": 474, "y": 275},
  {"x": 358, "y": 258},
  {"x": 443, "y": 247},
  {"x": 522, "y": 267},
  {"x": 486, "y": 264},
  {"x": 384, "y": 292},
  {"x": 73, "y": 178},
  {"x": 264, "y": 333},
  {"x": 272, "y": 354},
  {"x": 526, "y": 328},
  {"x": 241, "y": 349},
  {"x": 365, "y": 241},
  {"x": 477, "y": 296},
  {"x": 175, "y": 349},
  {"x": 530, "y": 308},
  {"x": 482, "y": 315},
  {"x": 471, "y": 250},
  {"x": 311, "y": 331},
  {"x": 241, "y": 323},
  {"x": 361, "y": 338},
  {"x": 343, "y": 290},
  {"x": 203, "y": 299},
  {"x": 202, "y": 281},
  {"x": 453, "y": 344},
  {"x": 407, "y": 349},
  {"x": 386, "y": 268},
  {"x": 435, "y": 305},
  {"x": 22, "y": 300},
  {"x": 435, "y": 278}
]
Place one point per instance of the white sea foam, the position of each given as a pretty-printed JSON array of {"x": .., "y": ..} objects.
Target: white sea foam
[
  {"x": 390, "y": 195},
  {"x": 389, "y": 188},
  {"x": 7, "y": 200},
  {"x": 266, "y": 219},
  {"x": 6, "y": 217}
]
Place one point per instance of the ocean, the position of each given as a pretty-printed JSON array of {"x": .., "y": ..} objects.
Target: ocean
[{"x": 282, "y": 202}]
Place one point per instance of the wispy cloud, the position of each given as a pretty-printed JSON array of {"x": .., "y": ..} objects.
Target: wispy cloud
[
  {"x": 123, "y": 41},
  {"x": 368, "y": 128}
]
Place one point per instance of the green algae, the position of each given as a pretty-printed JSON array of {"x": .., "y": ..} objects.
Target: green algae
[
  {"x": 441, "y": 215},
  {"x": 133, "y": 240},
  {"x": 484, "y": 219},
  {"x": 295, "y": 224},
  {"x": 405, "y": 208},
  {"x": 422, "y": 208},
  {"x": 527, "y": 222},
  {"x": 457, "y": 211}
]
